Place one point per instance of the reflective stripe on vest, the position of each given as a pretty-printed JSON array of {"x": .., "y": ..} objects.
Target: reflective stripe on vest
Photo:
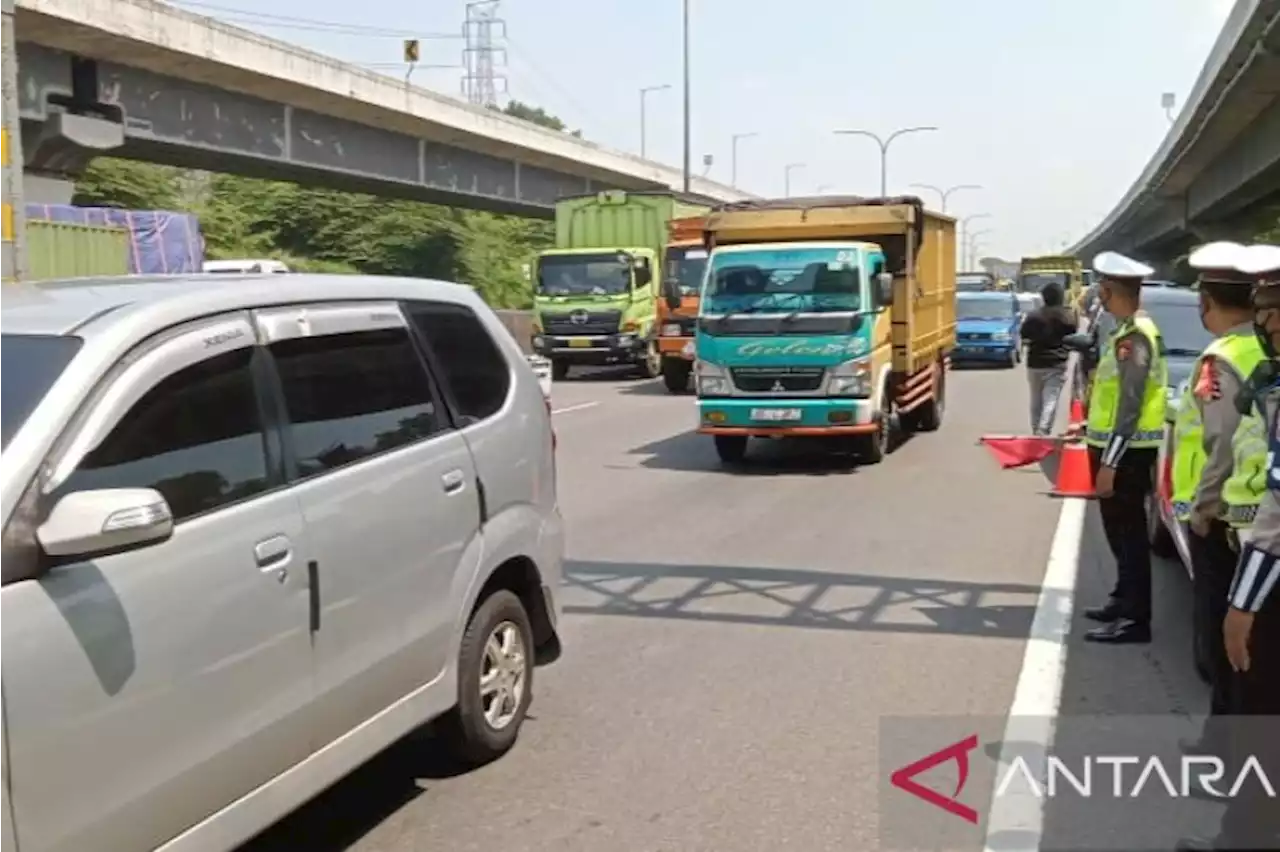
[
  {"x": 1273, "y": 454},
  {"x": 1242, "y": 352},
  {"x": 1104, "y": 396}
]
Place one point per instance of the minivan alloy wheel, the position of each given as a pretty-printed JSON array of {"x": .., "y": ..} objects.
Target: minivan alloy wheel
[{"x": 502, "y": 675}]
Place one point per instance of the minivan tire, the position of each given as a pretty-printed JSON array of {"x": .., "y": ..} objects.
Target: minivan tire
[{"x": 471, "y": 736}]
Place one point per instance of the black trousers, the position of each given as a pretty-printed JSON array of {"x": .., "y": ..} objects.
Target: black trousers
[
  {"x": 1252, "y": 819},
  {"x": 1213, "y": 561},
  {"x": 1124, "y": 520}
]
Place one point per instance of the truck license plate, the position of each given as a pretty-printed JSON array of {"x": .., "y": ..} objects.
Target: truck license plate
[
  {"x": 784, "y": 415},
  {"x": 580, "y": 342}
]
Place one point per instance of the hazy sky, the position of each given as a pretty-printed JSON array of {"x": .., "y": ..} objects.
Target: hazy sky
[{"x": 1052, "y": 106}]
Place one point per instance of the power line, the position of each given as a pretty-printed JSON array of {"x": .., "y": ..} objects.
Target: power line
[{"x": 289, "y": 22}]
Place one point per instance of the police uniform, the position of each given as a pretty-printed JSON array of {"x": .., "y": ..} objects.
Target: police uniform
[
  {"x": 1215, "y": 460},
  {"x": 1252, "y": 818},
  {"x": 1124, "y": 427}
]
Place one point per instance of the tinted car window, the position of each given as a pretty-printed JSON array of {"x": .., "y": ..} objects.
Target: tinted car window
[
  {"x": 474, "y": 368},
  {"x": 31, "y": 364},
  {"x": 351, "y": 396},
  {"x": 196, "y": 438}
]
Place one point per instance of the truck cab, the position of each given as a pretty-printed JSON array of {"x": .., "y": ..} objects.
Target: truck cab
[
  {"x": 683, "y": 269},
  {"x": 1065, "y": 271},
  {"x": 595, "y": 307}
]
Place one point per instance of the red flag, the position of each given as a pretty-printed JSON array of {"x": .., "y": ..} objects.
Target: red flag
[{"x": 1019, "y": 451}]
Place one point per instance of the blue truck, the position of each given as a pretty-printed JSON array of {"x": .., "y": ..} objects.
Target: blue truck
[{"x": 988, "y": 327}]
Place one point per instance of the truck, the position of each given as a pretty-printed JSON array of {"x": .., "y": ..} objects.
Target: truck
[
  {"x": 830, "y": 318},
  {"x": 67, "y": 241},
  {"x": 683, "y": 268},
  {"x": 596, "y": 291},
  {"x": 1064, "y": 270}
]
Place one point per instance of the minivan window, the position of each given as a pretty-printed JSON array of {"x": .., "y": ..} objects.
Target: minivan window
[
  {"x": 196, "y": 437},
  {"x": 473, "y": 366},
  {"x": 31, "y": 364},
  {"x": 351, "y": 396}
]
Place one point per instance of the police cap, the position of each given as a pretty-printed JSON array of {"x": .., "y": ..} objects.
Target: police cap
[
  {"x": 1112, "y": 264},
  {"x": 1261, "y": 262},
  {"x": 1219, "y": 263}
]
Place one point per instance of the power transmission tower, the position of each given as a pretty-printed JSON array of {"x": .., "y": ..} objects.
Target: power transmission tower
[{"x": 482, "y": 83}]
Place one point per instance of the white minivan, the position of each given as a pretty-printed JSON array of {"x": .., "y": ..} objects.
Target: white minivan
[{"x": 255, "y": 530}]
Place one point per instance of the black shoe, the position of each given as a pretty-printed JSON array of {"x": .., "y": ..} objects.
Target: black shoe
[
  {"x": 1123, "y": 631},
  {"x": 1107, "y": 613},
  {"x": 1195, "y": 844}
]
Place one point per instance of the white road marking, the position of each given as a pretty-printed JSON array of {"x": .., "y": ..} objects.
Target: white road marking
[
  {"x": 1038, "y": 695},
  {"x": 579, "y": 407}
]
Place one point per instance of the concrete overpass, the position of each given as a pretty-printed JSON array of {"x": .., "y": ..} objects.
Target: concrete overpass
[
  {"x": 1220, "y": 162},
  {"x": 142, "y": 79}
]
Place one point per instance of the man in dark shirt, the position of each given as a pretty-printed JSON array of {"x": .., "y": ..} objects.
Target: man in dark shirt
[{"x": 1042, "y": 332}]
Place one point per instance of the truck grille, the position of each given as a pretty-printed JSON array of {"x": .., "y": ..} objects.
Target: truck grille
[
  {"x": 777, "y": 379},
  {"x": 590, "y": 322},
  {"x": 974, "y": 335}
]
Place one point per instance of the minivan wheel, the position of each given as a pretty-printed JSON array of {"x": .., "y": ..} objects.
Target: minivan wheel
[{"x": 495, "y": 679}]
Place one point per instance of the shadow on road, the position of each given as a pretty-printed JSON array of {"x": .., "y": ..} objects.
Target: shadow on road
[
  {"x": 350, "y": 809},
  {"x": 817, "y": 600}
]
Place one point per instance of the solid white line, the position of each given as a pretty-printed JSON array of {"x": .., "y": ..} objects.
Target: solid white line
[
  {"x": 579, "y": 407},
  {"x": 1033, "y": 715}
]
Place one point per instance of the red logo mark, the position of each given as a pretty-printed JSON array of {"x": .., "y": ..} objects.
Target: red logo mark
[{"x": 959, "y": 752}]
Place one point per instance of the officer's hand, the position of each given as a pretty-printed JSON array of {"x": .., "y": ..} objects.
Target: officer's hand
[
  {"x": 1200, "y": 526},
  {"x": 1074, "y": 431},
  {"x": 1106, "y": 484},
  {"x": 1236, "y": 629}
]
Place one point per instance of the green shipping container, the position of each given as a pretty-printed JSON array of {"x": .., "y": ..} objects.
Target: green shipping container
[
  {"x": 67, "y": 250},
  {"x": 617, "y": 219}
]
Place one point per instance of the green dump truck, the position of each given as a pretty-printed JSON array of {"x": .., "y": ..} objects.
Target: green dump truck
[{"x": 596, "y": 293}]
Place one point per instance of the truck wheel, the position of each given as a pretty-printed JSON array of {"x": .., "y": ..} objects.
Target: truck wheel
[
  {"x": 651, "y": 365},
  {"x": 559, "y": 370},
  {"x": 675, "y": 374},
  {"x": 880, "y": 443},
  {"x": 929, "y": 416},
  {"x": 495, "y": 680},
  {"x": 731, "y": 449}
]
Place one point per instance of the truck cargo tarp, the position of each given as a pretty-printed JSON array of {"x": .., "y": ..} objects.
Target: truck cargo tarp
[{"x": 160, "y": 242}]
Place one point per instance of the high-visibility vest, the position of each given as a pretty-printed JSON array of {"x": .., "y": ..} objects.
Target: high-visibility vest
[
  {"x": 1242, "y": 352},
  {"x": 1104, "y": 395}
]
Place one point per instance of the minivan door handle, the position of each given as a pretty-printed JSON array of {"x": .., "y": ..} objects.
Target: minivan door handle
[
  {"x": 272, "y": 555},
  {"x": 453, "y": 481}
]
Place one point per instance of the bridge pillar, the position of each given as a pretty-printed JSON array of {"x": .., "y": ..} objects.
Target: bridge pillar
[
  {"x": 60, "y": 149},
  {"x": 13, "y": 246}
]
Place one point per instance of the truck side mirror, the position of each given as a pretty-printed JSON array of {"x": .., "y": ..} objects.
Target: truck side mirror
[
  {"x": 884, "y": 290},
  {"x": 643, "y": 274},
  {"x": 671, "y": 292}
]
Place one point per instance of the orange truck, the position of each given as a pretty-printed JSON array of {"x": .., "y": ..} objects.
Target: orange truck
[{"x": 683, "y": 265}]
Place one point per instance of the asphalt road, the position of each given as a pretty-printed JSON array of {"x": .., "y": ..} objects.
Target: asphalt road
[{"x": 734, "y": 641}]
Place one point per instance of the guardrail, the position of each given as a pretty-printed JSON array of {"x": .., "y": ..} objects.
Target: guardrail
[{"x": 1217, "y": 79}]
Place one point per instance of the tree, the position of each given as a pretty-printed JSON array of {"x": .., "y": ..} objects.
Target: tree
[{"x": 536, "y": 115}]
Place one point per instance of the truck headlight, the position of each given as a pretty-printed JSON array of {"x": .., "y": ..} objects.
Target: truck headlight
[
  {"x": 711, "y": 379},
  {"x": 671, "y": 329},
  {"x": 852, "y": 378}
]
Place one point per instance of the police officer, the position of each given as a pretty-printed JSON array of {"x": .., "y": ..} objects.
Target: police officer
[
  {"x": 1123, "y": 430},
  {"x": 1207, "y": 495},
  {"x": 1251, "y": 630}
]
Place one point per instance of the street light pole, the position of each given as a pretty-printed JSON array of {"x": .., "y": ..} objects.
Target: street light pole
[
  {"x": 944, "y": 194},
  {"x": 687, "y": 141},
  {"x": 786, "y": 178},
  {"x": 644, "y": 91},
  {"x": 884, "y": 143},
  {"x": 733, "y": 156},
  {"x": 972, "y": 261},
  {"x": 962, "y": 244}
]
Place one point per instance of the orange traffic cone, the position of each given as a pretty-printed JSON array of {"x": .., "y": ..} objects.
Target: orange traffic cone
[
  {"x": 1075, "y": 472},
  {"x": 1077, "y": 413}
]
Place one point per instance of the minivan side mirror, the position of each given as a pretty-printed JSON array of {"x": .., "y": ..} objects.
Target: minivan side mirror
[
  {"x": 884, "y": 290},
  {"x": 671, "y": 292},
  {"x": 106, "y": 519},
  {"x": 1081, "y": 341}
]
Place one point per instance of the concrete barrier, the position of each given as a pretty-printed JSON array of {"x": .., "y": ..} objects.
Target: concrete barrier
[{"x": 520, "y": 324}]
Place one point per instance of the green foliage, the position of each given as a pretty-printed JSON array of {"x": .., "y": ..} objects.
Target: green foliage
[{"x": 319, "y": 230}]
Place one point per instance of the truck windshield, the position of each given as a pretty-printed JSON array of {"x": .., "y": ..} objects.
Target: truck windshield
[
  {"x": 1034, "y": 282},
  {"x": 687, "y": 264},
  {"x": 785, "y": 280},
  {"x": 584, "y": 274},
  {"x": 29, "y": 365}
]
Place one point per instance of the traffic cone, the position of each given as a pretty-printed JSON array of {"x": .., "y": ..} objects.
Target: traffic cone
[
  {"x": 1077, "y": 413},
  {"x": 1075, "y": 472}
]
